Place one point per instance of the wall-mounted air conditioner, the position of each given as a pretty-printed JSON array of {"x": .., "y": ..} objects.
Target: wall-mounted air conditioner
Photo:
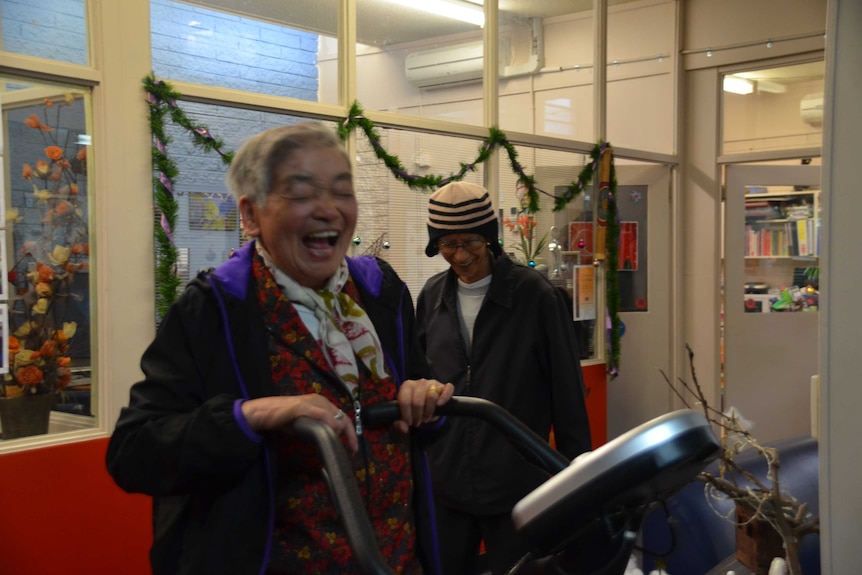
[
  {"x": 811, "y": 108},
  {"x": 445, "y": 66}
]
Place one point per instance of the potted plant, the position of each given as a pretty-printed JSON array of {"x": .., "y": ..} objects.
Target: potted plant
[{"x": 52, "y": 248}]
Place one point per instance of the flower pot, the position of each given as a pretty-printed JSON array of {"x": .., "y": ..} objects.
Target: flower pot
[
  {"x": 757, "y": 542},
  {"x": 26, "y": 415}
]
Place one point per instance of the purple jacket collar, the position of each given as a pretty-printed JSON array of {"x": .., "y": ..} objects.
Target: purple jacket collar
[{"x": 234, "y": 273}]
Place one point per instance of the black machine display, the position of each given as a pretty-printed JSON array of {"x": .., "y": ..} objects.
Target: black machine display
[{"x": 584, "y": 520}]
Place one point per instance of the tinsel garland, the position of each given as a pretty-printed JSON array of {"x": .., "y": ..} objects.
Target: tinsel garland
[{"x": 163, "y": 99}]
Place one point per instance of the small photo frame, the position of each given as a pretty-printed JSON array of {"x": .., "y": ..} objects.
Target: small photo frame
[
  {"x": 4, "y": 268},
  {"x": 4, "y": 338},
  {"x": 2, "y": 188}
]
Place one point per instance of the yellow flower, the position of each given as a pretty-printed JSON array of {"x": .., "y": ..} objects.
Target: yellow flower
[
  {"x": 41, "y": 306},
  {"x": 42, "y": 195},
  {"x": 43, "y": 169},
  {"x": 12, "y": 215},
  {"x": 69, "y": 99},
  {"x": 59, "y": 256},
  {"x": 23, "y": 357},
  {"x": 69, "y": 329},
  {"x": 25, "y": 329}
]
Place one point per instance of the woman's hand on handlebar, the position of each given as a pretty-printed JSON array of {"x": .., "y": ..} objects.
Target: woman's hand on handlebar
[
  {"x": 265, "y": 414},
  {"x": 418, "y": 399}
]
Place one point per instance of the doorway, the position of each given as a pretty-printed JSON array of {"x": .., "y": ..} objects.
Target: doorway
[{"x": 771, "y": 296}]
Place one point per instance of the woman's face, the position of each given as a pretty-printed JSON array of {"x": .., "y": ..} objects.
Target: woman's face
[
  {"x": 467, "y": 255},
  {"x": 307, "y": 222}
]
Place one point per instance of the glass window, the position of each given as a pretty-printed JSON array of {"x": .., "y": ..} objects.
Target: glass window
[
  {"x": 545, "y": 237},
  {"x": 207, "y": 224},
  {"x": 773, "y": 108},
  {"x": 546, "y": 72},
  {"x": 56, "y": 31},
  {"x": 428, "y": 55},
  {"x": 391, "y": 213},
  {"x": 45, "y": 303},
  {"x": 277, "y": 48},
  {"x": 641, "y": 76}
]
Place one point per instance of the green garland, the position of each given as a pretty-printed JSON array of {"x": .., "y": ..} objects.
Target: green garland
[{"x": 162, "y": 101}]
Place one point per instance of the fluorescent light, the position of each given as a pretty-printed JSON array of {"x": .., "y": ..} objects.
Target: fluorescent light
[
  {"x": 738, "y": 85},
  {"x": 455, "y": 9},
  {"x": 771, "y": 87}
]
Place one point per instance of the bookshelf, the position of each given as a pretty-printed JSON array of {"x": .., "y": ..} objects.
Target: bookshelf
[{"x": 781, "y": 248}]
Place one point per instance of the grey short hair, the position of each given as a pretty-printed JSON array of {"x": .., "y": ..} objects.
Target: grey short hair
[{"x": 250, "y": 172}]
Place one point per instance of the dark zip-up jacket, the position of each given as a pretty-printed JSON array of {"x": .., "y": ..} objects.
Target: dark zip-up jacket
[
  {"x": 183, "y": 439},
  {"x": 524, "y": 357}
]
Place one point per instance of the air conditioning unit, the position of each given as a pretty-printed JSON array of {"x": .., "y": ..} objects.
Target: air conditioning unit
[
  {"x": 445, "y": 66},
  {"x": 811, "y": 108}
]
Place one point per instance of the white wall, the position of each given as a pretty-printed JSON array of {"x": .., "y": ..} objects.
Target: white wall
[{"x": 841, "y": 318}]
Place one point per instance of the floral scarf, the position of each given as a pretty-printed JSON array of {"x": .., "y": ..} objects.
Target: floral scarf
[{"x": 344, "y": 330}]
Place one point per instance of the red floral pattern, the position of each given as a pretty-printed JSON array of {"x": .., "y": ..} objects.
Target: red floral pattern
[{"x": 309, "y": 537}]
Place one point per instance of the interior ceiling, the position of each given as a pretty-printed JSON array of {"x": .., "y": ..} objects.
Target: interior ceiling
[{"x": 383, "y": 23}]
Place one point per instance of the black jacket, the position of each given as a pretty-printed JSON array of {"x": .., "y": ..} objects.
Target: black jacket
[
  {"x": 524, "y": 357},
  {"x": 180, "y": 439}
]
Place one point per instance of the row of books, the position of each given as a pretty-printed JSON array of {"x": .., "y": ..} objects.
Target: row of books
[
  {"x": 790, "y": 238},
  {"x": 777, "y": 210}
]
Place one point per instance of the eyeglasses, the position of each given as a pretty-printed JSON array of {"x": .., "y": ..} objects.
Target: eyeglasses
[{"x": 450, "y": 247}]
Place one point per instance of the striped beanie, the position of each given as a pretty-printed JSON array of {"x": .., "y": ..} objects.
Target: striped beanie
[{"x": 461, "y": 208}]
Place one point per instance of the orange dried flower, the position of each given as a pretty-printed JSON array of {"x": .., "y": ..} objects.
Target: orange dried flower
[
  {"x": 26, "y": 171},
  {"x": 32, "y": 121},
  {"x": 29, "y": 375},
  {"x": 64, "y": 208},
  {"x": 64, "y": 376},
  {"x": 14, "y": 345},
  {"x": 48, "y": 349},
  {"x": 54, "y": 152},
  {"x": 45, "y": 273},
  {"x": 82, "y": 154},
  {"x": 64, "y": 361}
]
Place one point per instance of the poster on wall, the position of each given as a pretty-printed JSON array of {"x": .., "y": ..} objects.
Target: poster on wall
[
  {"x": 212, "y": 211},
  {"x": 2, "y": 190},
  {"x": 628, "y": 246},
  {"x": 584, "y": 292}
]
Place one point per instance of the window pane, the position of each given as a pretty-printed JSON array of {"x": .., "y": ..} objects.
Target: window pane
[
  {"x": 546, "y": 74},
  {"x": 47, "y": 285},
  {"x": 640, "y": 76},
  {"x": 207, "y": 226},
  {"x": 773, "y": 109},
  {"x": 56, "y": 31},
  {"x": 390, "y": 211},
  {"x": 278, "y": 48},
  {"x": 429, "y": 61},
  {"x": 554, "y": 173}
]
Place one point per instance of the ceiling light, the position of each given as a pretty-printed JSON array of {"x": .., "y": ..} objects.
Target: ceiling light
[
  {"x": 771, "y": 87},
  {"x": 455, "y": 9},
  {"x": 738, "y": 85}
]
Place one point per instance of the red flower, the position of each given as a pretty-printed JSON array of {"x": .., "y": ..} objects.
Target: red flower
[{"x": 29, "y": 375}]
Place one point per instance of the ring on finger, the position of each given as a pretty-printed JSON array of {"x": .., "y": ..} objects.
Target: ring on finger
[
  {"x": 339, "y": 415},
  {"x": 434, "y": 388}
]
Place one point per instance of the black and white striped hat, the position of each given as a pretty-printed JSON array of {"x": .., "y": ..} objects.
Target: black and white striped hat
[{"x": 461, "y": 208}]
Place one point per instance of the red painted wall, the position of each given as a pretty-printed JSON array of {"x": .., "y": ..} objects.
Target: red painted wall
[
  {"x": 596, "y": 387},
  {"x": 60, "y": 512}
]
